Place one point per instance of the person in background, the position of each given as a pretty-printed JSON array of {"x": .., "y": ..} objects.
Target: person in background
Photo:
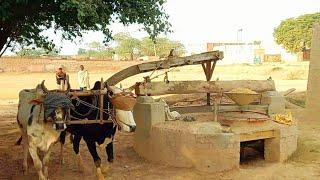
[
  {"x": 61, "y": 78},
  {"x": 83, "y": 79}
]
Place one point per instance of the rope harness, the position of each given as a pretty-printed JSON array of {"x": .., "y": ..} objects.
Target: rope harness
[{"x": 110, "y": 112}]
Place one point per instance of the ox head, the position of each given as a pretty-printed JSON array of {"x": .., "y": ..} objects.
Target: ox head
[
  {"x": 56, "y": 105},
  {"x": 124, "y": 118}
]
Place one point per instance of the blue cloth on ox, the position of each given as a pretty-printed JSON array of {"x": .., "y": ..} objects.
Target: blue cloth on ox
[{"x": 54, "y": 100}]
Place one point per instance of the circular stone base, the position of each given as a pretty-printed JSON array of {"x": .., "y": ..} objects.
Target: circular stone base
[{"x": 202, "y": 145}]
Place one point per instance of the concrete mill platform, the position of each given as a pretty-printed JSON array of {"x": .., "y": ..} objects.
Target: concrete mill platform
[{"x": 205, "y": 145}]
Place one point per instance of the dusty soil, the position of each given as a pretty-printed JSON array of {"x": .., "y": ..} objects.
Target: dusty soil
[
  {"x": 13, "y": 82},
  {"x": 304, "y": 164}
]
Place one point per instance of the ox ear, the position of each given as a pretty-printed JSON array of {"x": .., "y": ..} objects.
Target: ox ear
[{"x": 35, "y": 101}]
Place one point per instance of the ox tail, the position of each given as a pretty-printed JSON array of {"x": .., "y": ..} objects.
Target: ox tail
[{"x": 18, "y": 142}]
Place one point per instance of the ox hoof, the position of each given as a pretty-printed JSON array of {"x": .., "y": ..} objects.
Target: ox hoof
[
  {"x": 100, "y": 174},
  {"x": 24, "y": 172},
  {"x": 105, "y": 169}
]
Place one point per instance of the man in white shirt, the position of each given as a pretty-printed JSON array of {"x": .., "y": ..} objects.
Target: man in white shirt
[{"x": 83, "y": 79}]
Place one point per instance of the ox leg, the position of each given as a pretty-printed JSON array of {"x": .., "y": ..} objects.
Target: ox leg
[
  {"x": 97, "y": 161},
  {"x": 76, "y": 148},
  {"x": 62, "y": 140},
  {"x": 109, "y": 151},
  {"x": 36, "y": 161},
  {"x": 25, "y": 154},
  {"x": 46, "y": 160}
]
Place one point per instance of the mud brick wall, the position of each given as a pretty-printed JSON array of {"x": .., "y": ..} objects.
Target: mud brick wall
[{"x": 14, "y": 64}]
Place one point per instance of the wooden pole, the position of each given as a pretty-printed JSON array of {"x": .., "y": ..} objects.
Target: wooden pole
[
  {"x": 312, "y": 110},
  {"x": 174, "y": 62},
  {"x": 101, "y": 102}
]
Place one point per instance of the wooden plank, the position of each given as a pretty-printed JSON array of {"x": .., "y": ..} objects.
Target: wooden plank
[
  {"x": 168, "y": 63},
  {"x": 287, "y": 92},
  {"x": 257, "y": 135},
  {"x": 189, "y": 87}
]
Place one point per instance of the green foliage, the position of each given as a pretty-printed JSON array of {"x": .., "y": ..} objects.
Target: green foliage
[
  {"x": 161, "y": 47},
  {"x": 23, "y": 21},
  {"x": 33, "y": 52},
  {"x": 294, "y": 34},
  {"x": 97, "y": 50},
  {"x": 81, "y": 51},
  {"x": 127, "y": 46}
]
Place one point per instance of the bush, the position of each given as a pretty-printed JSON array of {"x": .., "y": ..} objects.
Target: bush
[{"x": 296, "y": 75}]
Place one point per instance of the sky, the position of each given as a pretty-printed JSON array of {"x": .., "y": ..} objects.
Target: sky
[{"x": 196, "y": 22}]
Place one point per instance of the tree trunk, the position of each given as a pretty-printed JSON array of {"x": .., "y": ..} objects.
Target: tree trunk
[
  {"x": 3, "y": 41},
  {"x": 131, "y": 56}
]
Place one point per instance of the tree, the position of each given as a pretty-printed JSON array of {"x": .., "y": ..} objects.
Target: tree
[
  {"x": 23, "y": 21},
  {"x": 294, "y": 34},
  {"x": 126, "y": 45},
  {"x": 96, "y": 49},
  {"x": 96, "y": 46},
  {"x": 81, "y": 51},
  {"x": 161, "y": 47},
  {"x": 33, "y": 52}
]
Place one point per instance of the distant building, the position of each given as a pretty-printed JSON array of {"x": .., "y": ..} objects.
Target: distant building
[{"x": 238, "y": 52}]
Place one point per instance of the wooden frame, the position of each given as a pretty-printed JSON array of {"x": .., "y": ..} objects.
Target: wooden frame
[{"x": 101, "y": 94}]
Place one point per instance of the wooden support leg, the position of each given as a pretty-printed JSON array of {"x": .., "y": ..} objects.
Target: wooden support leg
[{"x": 208, "y": 68}]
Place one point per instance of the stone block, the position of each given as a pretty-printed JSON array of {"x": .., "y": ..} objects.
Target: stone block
[
  {"x": 280, "y": 148},
  {"x": 275, "y": 101}
]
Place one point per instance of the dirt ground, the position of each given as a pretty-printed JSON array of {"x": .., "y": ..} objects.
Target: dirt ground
[{"x": 304, "y": 164}]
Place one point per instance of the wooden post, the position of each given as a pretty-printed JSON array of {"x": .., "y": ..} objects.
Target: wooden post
[
  {"x": 215, "y": 111},
  {"x": 101, "y": 101},
  {"x": 208, "y": 70},
  {"x": 312, "y": 110}
]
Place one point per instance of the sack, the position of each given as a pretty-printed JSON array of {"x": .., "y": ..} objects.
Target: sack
[{"x": 124, "y": 102}]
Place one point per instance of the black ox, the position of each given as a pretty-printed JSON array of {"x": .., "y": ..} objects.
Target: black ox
[{"x": 94, "y": 135}]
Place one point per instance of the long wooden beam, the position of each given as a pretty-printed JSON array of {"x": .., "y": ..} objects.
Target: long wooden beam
[
  {"x": 189, "y": 87},
  {"x": 164, "y": 64}
]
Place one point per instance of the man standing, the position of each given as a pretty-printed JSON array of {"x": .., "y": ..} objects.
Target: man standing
[
  {"x": 61, "y": 78},
  {"x": 83, "y": 78}
]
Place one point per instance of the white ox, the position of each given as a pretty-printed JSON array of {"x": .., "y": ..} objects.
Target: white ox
[{"x": 40, "y": 124}]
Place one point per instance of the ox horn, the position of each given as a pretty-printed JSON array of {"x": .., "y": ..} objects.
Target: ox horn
[
  {"x": 69, "y": 87},
  {"x": 43, "y": 87},
  {"x": 108, "y": 87}
]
